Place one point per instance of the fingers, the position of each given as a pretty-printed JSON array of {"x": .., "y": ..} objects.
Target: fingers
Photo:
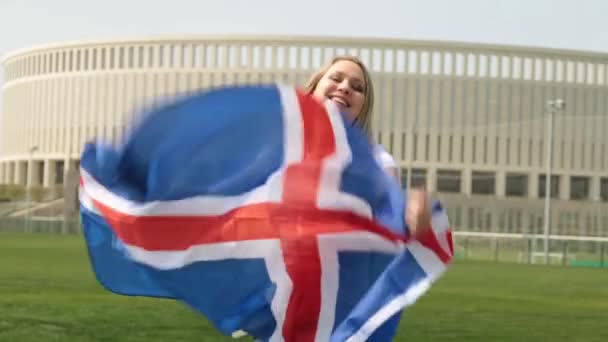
[{"x": 418, "y": 212}]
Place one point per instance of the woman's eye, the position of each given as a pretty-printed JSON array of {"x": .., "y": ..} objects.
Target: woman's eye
[{"x": 358, "y": 88}]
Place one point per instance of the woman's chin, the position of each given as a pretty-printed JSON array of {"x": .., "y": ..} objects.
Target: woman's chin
[{"x": 344, "y": 109}]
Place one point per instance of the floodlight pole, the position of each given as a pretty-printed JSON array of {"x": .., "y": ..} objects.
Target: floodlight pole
[
  {"x": 553, "y": 106},
  {"x": 28, "y": 185}
]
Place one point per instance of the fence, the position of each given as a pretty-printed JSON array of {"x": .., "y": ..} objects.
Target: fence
[
  {"x": 34, "y": 224},
  {"x": 529, "y": 249}
]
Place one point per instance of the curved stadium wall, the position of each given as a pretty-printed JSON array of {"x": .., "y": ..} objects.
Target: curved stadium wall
[{"x": 466, "y": 120}]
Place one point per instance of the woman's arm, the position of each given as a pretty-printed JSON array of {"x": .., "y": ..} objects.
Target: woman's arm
[
  {"x": 387, "y": 162},
  {"x": 417, "y": 208}
]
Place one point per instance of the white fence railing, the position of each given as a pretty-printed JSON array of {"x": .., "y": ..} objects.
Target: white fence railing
[{"x": 528, "y": 248}]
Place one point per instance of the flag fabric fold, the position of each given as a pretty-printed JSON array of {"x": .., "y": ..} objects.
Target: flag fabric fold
[{"x": 262, "y": 209}]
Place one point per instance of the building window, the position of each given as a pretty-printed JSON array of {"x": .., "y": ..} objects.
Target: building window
[
  {"x": 563, "y": 222},
  {"x": 59, "y": 170},
  {"x": 457, "y": 217},
  {"x": 404, "y": 172},
  {"x": 448, "y": 181},
  {"x": 471, "y": 218},
  {"x": 418, "y": 178},
  {"x": 516, "y": 185},
  {"x": 554, "y": 185},
  {"x": 39, "y": 168},
  {"x": 483, "y": 183},
  {"x": 579, "y": 188},
  {"x": 604, "y": 189}
]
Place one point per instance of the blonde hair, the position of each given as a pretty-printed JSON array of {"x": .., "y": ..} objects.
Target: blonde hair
[{"x": 363, "y": 118}]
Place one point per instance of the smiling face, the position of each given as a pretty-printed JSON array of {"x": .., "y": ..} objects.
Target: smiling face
[
  {"x": 344, "y": 84},
  {"x": 347, "y": 82}
]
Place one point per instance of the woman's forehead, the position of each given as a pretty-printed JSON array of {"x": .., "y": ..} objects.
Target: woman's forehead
[
  {"x": 350, "y": 69},
  {"x": 347, "y": 67}
]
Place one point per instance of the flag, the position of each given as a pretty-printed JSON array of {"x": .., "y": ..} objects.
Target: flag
[{"x": 265, "y": 211}]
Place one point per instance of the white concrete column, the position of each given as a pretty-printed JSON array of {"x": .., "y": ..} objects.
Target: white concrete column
[
  {"x": 3, "y": 167},
  {"x": 533, "y": 185},
  {"x": 594, "y": 188},
  {"x": 20, "y": 173},
  {"x": 501, "y": 184},
  {"x": 5, "y": 173},
  {"x": 564, "y": 187},
  {"x": 49, "y": 173},
  {"x": 466, "y": 181},
  {"x": 68, "y": 164},
  {"x": 431, "y": 179},
  {"x": 33, "y": 173},
  {"x": 4, "y": 179}
]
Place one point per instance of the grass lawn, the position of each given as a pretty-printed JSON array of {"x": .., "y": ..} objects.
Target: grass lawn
[{"x": 48, "y": 293}]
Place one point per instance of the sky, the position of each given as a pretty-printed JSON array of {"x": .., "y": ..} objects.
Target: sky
[{"x": 567, "y": 24}]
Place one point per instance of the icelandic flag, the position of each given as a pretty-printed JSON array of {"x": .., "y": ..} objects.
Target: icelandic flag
[{"x": 265, "y": 211}]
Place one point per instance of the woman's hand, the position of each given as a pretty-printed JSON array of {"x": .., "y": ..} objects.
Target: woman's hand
[{"x": 418, "y": 212}]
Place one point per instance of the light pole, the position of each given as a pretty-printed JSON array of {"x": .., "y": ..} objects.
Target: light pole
[
  {"x": 28, "y": 185},
  {"x": 553, "y": 107}
]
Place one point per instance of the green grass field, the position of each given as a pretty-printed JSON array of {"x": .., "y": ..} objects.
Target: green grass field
[{"x": 48, "y": 293}]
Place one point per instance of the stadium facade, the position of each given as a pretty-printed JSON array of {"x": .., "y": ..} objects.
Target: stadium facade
[{"x": 469, "y": 121}]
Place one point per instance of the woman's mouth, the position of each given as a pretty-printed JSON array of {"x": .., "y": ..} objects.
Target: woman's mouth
[{"x": 340, "y": 101}]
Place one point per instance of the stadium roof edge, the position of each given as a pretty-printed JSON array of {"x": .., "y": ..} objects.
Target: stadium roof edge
[{"x": 364, "y": 42}]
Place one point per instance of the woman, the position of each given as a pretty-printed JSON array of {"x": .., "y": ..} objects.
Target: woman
[{"x": 347, "y": 82}]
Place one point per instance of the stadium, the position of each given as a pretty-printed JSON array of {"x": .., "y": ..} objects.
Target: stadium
[
  {"x": 471, "y": 122},
  {"x": 468, "y": 121}
]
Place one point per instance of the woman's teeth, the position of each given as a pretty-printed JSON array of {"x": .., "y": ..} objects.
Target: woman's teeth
[{"x": 340, "y": 102}]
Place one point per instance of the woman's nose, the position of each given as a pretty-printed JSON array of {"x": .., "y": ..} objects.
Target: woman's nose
[{"x": 344, "y": 87}]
